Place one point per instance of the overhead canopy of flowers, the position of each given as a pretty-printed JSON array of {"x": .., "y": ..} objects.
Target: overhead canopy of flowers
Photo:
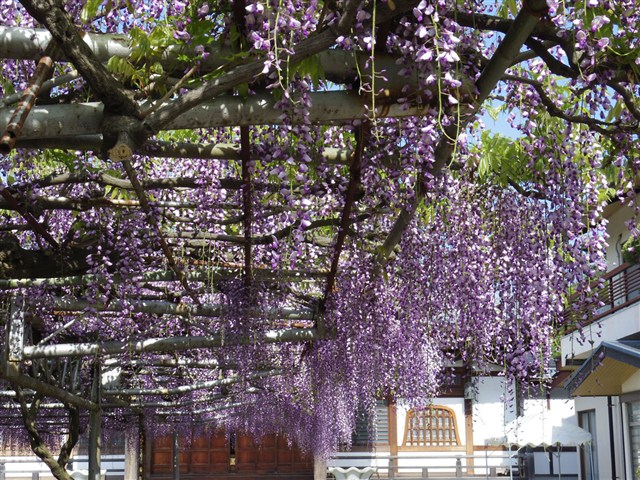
[{"x": 263, "y": 216}]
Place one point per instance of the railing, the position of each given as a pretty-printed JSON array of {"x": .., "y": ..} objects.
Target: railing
[
  {"x": 484, "y": 465},
  {"x": 615, "y": 290},
  {"x": 32, "y": 468}
]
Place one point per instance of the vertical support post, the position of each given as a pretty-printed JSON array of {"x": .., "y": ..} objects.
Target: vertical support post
[
  {"x": 35, "y": 475},
  {"x": 131, "y": 445},
  {"x": 487, "y": 470},
  {"x": 468, "y": 434},
  {"x": 319, "y": 468},
  {"x": 176, "y": 456},
  {"x": 143, "y": 455},
  {"x": 393, "y": 436},
  {"x": 15, "y": 335},
  {"x": 2, "y": 470},
  {"x": 95, "y": 425}
]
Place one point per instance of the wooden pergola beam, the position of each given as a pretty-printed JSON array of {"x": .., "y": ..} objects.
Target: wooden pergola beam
[
  {"x": 169, "y": 308},
  {"x": 169, "y": 344},
  {"x": 52, "y": 122},
  {"x": 194, "y": 387},
  {"x": 197, "y": 274}
]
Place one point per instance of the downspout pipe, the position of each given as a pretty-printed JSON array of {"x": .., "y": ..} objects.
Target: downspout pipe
[{"x": 612, "y": 448}]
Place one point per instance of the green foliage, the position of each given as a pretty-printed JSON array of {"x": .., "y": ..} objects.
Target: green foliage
[
  {"x": 7, "y": 85},
  {"x": 631, "y": 250},
  {"x": 144, "y": 61},
  {"x": 508, "y": 8},
  {"x": 502, "y": 160},
  {"x": 90, "y": 10},
  {"x": 310, "y": 66}
]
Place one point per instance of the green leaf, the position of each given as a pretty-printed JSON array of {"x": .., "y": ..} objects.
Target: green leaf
[
  {"x": 310, "y": 66},
  {"x": 140, "y": 44},
  {"x": 121, "y": 66},
  {"x": 90, "y": 10},
  {"x": 243, "y": 90},
  {"x": 615, "y": 111},
  {"x": 494, "y": 112},
  {"x": 7, "y": 86},
  {"x": 161, "y": 37}
]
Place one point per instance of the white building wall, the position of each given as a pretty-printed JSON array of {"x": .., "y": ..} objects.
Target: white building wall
[
  {"x": 618, "y": 325},
  {"x": 600, "y": 405},
  {"x": 618, "y": 234},
  {"x": 492, "y": 410}
]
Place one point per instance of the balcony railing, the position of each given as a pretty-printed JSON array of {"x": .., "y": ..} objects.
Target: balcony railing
[{"x": 617, "y": 289}]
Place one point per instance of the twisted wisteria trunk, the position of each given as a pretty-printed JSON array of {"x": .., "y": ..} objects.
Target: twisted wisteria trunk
[{"x": 29, "y": 414}]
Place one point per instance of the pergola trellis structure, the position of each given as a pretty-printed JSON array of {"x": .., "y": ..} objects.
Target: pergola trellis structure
[{"x": 121, "y": 129}]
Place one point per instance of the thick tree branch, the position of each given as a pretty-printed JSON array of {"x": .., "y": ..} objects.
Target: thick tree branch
[
  {"x": 35, "y": 440},
  {"x": 627, "y": 98},
  {"x": 144, "y": 203},
  {"x": 555, "y": 111},
  {"x": 72, "y": 436},
  {"x": 555, "y": 65},
  {"x": 543, "y": 30},
  {"x": 43, "y": 71},
  {"x": 249, "y": 72},
  {"x": 355, "y": 170},
  {"x": 52, "y": 14}
]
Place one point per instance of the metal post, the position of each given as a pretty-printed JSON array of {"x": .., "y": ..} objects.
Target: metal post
[
  {"x": 176, "y": 457},
  {"x": 35, "y": 475},
  {"x": 2, "y": 470},
  {"x": 486, "y": 464},
  {"x": 458, "y": 467},
  {"x": 95, "y": 426}
]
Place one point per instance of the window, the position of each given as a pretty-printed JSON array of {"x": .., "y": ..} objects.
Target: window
[
  {"x": 434, "y": 426},
  {"x": 367, "y": 433},
  {"x": 633, "y": 408}
]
